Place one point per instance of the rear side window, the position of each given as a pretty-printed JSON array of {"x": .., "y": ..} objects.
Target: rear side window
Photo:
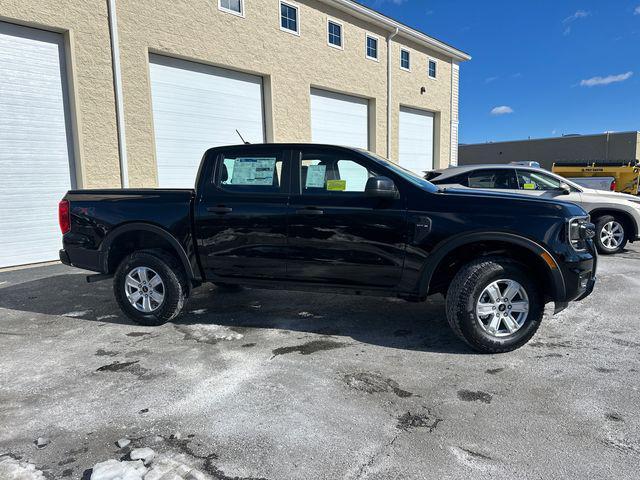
[
  {"x": 493, "y": 179},
  {"x": 251, "y": 174}
]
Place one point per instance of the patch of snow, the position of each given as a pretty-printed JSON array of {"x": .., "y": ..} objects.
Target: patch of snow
[
  {"x": 208, "y": 333},
  {"x": 200, "y": 311},
  {"x": 163, "y": 467},
  {"x": 42, "y": 442},
  {"x": 12, "y": 469},
  {"x": 115, "y": 470},
  {"x": 145, "y": 454},
  {"x": 123, "y": 442},
  {"x": 105, "y": 317},
  {"x": 255, "y": 305},
  {"x": 305, "y": 314},
  {"x": 80, "y": 313}
]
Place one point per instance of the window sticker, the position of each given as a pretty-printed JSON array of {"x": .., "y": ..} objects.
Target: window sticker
[
  {"x": 315, "y": 176},
  {"x": 336, "y": 185},
  {"x": 529, "y": 186},
  {"x": 253, "y": 171}
]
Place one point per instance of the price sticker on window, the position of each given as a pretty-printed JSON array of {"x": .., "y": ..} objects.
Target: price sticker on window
[
  {"x": 529, "y": 186},
  {"x": 336, "y": 185}
]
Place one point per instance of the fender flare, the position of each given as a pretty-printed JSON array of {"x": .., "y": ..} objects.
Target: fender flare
[
  {"x": 112, "y": 236},
  {"x": 445, "y": 247}
]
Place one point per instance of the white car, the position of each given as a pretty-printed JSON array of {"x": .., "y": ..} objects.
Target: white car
[{"x": 616, "y": 215}]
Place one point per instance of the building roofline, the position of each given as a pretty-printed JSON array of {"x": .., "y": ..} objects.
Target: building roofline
[
  {"x": 358, "y": 10},
  {"x": 546, "y": 139}
]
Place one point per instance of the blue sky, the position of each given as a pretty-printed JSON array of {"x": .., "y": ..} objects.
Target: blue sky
[{"x": 555, "y": 67}]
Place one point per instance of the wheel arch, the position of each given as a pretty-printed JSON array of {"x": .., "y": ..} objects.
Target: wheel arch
[
  {"x": 621, "y": 214},
  {"x": 138, "y": 235},
  {"x": 450, "y": 255}
]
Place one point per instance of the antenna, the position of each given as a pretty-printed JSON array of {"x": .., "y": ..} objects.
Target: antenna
[{"x": 243, "y": 140}]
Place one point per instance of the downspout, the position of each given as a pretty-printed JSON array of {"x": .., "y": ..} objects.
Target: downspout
[
  {"x": 117, "y": 87},
  {"x": 451, "y": 122},
  {"x": 389, "y": 38}
]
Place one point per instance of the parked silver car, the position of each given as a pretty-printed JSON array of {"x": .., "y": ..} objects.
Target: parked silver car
[{"x": 616, "y": 215}]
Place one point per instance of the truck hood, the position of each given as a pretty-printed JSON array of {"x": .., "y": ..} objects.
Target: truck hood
[{"x": 476, "y": 193}]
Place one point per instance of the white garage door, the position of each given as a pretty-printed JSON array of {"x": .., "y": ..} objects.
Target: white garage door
[
  {"x": 416, "y": 140},
  {"x": 196, "y": 107},
  {"x": 35, "y": 152},
  {"x": 339, "y": 119}
]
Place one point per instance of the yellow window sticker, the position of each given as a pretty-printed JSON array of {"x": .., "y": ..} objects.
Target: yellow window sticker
[
  {"x": 529, "y": 186},
  {"x": 336, "y": 185}
]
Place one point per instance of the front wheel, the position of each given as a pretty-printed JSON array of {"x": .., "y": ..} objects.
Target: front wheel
[
  {"x": 611, "y": 236},
  {"x": 494, "y": 305},
  {"x": 150, "y": 287}
]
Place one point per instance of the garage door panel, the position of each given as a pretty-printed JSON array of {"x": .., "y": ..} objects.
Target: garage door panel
[
  {"x": 415, "y": 139},
  {"x": 35, "y": 153},
  {"x": 196, "y": 107},
  {"x": 339, "y": 119}
]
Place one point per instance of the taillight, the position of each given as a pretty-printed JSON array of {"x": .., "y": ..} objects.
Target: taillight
[
  {"x": 64, "y": 217},
  {"x": 613, "y": 186}
]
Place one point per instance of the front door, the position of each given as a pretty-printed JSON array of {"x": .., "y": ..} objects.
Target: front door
[
  {"x": 337, "y": 234},
  {"x": 241, "y": 215}
]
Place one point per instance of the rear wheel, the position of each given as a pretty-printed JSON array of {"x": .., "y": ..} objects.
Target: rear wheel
[
  {"x": 494, "y": 305},
  {"x": 611, "y": 236},
  {"x": 150, "y": 287}
]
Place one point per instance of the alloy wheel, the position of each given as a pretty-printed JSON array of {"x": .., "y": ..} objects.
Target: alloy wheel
[
  {"x": 611, "y": 235},
  {"x": 502, "y": 308},
  {"x": 144, "y": 289}
]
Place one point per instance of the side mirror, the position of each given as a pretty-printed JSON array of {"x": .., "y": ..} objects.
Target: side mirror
[
  {"x": 564, "y": 189},
  {"x": 381, "y": 187}
]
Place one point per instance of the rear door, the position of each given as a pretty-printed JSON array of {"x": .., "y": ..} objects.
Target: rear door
[
  {"x": 241, "y": 213},
  {"x": 337, "y": 234}
]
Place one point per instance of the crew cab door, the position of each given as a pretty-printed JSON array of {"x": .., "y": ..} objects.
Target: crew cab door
[
  {"x": 241, "y": 213},
  {"x": 337, "y": 234}
]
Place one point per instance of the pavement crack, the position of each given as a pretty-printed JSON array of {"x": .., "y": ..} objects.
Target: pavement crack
[{"x": 374, "y": 456}]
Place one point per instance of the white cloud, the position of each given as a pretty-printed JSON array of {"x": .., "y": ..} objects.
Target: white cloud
[
  {"x": 490, "y": 79},
  {"x": 572, "y": 18},
  {"x": 596, "y": 81},
  {"x": 501, "y": 110},
  {"x": 637, "y": 10}
]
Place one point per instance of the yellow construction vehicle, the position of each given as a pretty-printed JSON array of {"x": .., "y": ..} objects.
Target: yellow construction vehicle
[{"x": 616, "y": 176}]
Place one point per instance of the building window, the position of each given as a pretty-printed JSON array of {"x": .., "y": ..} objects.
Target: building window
[
  {"x": 405, "y": 60},
  {"x": 289, "y": 18},
  {"x": 432, "y": 69},
  {"x": 372, "y": 47},
  {"x": 232, "y": 6},
  {"x": 334, "y": 32}
]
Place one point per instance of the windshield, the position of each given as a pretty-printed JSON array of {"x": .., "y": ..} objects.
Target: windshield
[{"x": 406, "y": 174}]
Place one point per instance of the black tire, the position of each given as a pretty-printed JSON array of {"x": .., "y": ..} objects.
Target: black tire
[
  {"x": 601, "y": 222},
  {"x": 464, "y": 293},
  {"x": 174, "y": 286}
]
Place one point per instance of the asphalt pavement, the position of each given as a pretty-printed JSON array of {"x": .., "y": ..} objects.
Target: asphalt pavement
[{"x": 259, "y": 384}]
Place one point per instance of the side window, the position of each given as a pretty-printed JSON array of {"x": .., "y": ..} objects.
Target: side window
[
  {"x": 330, "y": 174},
  {"x": 528, "y": 180},
  {"x": 500, "y": 179},
  {"x": 251, "y": 174}
]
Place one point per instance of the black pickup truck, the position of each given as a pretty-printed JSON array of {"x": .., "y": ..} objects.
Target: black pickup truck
[{"x": 334, "y": 219}]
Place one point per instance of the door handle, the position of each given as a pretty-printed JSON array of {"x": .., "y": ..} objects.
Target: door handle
[
  {"x": 220, "y": 209},
  {"x": 310, "y": 211}
]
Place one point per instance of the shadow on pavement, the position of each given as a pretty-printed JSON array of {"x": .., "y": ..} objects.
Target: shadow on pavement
[{"x": 388, "y": 322}]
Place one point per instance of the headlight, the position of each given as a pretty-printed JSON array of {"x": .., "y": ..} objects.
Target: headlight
[{"x": 580, "y": 229}]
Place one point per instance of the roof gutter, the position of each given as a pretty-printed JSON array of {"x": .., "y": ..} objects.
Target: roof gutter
[
  {"x": 117, "y": 87},
  {"x": 389, "y": 38},
  {"x": 361, "y": 11}
]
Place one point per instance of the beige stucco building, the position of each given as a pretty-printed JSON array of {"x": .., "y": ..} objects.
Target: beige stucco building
[{"x": 110, "y": 93}]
